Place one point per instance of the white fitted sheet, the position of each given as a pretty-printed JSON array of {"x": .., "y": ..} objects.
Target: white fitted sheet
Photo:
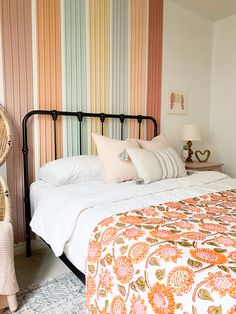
[{"x": 66, "y": 216}]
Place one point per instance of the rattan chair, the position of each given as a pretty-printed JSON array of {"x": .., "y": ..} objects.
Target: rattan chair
[
  {"x": 8, "y": 282},
  {"x": 5, "y": 135}
]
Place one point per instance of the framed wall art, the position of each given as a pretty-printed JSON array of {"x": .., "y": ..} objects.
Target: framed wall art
[{"x": 177, "y": 102}]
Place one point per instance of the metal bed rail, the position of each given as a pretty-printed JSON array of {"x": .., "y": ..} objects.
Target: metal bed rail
[{"x": 80, "y": 117}]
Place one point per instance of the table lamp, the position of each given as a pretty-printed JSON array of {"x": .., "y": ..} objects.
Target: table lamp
[{"x": 190, "y": 133}]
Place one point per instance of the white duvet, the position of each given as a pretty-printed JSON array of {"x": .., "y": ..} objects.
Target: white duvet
[{"x": 66, "y": 216}]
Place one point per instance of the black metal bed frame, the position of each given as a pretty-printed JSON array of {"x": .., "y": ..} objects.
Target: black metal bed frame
[{"x": 80, "y": 116}]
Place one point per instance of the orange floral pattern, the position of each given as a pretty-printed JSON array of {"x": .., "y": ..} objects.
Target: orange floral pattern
[
  {"x": 161, "y": 299},
  {"x": 91, "y": 286},
  {"x": 184, "y": 225},
  {"x": 118, "y": 306},
  {"x": 138, "y": 252},
  {"x": 177, "y": 257},
  {"x": 168, "y": 252},
  {"x": 216, "y": 210},
  {"x": 222, "y": 283},
  {"x": 226, "y": 241},
  {"x": 123, "y": 269},
  {"x": 213, "y": 227},
  {"x": 133, "y": 233},
  {"x": 232, "y": 255},
  {"x": 180, "y": 280},
  {"x": 138, "y": 305},
  {"x": 174, "y": 215},
  {"x": 209, "y": 256},
  {"x": 109, "y": 235},
  {"x": 105, "y": 280},
  {"x": 106, "y": 221},
  {"x": 95, "y": 251},
  {"x": 203, "y": 216},
  {"x": 131, "y": 220},
  {"x": 196, "y": 236},
  {"x": 164, "y": 235}
]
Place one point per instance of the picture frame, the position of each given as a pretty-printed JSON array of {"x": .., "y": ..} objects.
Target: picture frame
[{"x": 177, "y": 102}]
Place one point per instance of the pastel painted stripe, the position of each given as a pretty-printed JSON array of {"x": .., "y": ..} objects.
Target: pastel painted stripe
[
  {"x": 49, "y": 74},
  {"x": 119, "y": 63},
  {"x": 154, "y": 78},
  {"x": 138, "y": 38},
  {"x": 99, "y": 30},
  {"x": 75, "y": 72},
  {"x": 16, "y": 29}
]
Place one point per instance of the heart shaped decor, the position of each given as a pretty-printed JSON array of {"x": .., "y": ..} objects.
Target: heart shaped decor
[{"x": 205, "y": 155}]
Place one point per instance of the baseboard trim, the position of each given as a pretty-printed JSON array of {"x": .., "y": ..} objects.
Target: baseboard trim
[{"x": 20, "y": 249}]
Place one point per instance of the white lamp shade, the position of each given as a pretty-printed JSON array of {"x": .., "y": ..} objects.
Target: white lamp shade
[{"x": 190, "y": 132}]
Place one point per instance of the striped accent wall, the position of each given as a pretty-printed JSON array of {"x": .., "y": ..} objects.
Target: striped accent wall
[
  {"x": 78, "y": 55},
  {"x": 18, "y": 93}
]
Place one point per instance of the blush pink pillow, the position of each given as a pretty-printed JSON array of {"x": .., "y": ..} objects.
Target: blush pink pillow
[
  {"x": 157, "y": 143},
  {"x": 115, "y": 169}
]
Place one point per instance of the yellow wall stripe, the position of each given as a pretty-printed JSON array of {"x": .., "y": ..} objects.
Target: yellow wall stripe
[{"x": 99, "y": 28}]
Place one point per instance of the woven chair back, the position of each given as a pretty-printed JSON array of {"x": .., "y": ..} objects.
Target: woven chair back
[{"x": 5, "y": 135}]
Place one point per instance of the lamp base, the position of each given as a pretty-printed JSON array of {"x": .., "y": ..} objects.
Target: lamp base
[{"x": 190, "y": 152}]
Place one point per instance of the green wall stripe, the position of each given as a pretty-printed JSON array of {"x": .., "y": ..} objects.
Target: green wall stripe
[
  {"x": 119, "y": 62},
  {"x": 75, "y": 71}
]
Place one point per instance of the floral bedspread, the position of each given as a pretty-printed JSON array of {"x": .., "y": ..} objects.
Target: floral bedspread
[{"x": 179, "y": 257}]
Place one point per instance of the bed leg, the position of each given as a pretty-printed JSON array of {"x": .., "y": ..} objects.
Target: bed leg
[
  {"x": 28, "y": 247},
  {"x": 28, "y": 239}
]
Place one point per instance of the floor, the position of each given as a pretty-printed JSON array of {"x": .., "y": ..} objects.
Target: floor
[{"x": 41, "y": 266}]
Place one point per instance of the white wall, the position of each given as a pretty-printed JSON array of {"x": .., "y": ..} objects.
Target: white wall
[
  {"x": 187, "y": 56},
  {"x": 223, "y": 104}
]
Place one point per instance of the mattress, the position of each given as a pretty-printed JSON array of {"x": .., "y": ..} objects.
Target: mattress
[{"x": 66, "y": 216}]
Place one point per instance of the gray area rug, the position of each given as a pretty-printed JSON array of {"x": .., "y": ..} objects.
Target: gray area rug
[{"x": 61, "y": 295}]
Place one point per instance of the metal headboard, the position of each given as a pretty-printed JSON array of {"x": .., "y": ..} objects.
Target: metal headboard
[{"x": 80, "y": 116}]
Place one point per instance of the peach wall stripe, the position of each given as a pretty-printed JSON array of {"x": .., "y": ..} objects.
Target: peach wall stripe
[
  {"x": 99, "y": 28},
  {"x": 18, "y": 89},
  {"x": 49, "y": 73},
  {"x": 138, "y": 60},
  {"x": 35, "y": 87},
  {"x": 154, "y": 79}
]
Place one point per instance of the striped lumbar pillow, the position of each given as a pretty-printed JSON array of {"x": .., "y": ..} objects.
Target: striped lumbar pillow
[{"x": 158, "y": 165}]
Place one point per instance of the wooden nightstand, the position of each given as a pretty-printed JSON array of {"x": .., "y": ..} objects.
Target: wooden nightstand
[{"x": 204, "y": 166}]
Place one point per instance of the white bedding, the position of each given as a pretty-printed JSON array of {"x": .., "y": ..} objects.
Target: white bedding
[{"x": 66, "y": 216}]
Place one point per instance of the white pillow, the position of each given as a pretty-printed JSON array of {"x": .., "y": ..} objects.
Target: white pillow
[
  {"x": 71, "y": 170},
  {"x": 155, "y": 166}
]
